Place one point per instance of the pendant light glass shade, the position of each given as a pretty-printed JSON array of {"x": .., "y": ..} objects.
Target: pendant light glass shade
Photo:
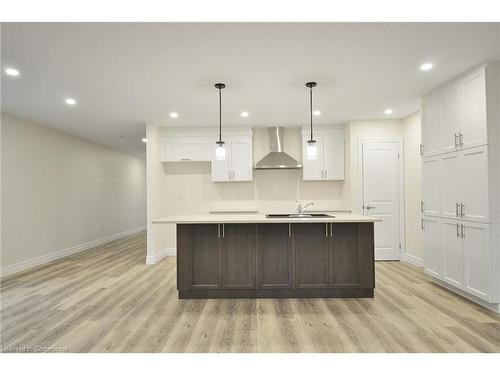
[
  {"x": 312, "y": 148},
  {"x": 220, "y": 150}
]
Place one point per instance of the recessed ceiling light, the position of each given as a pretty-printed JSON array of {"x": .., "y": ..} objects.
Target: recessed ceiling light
[
  {"x": 426, "y": 66},
  {"x": 70, "y": 101},
  {"x": 174, "y": 114},
  {"x": 388, "y": 111},
  {"x": 316, "y": 113},
  {"x": 12, "y": 72},
  {"x": 144, "y": 140},
  {"x": 244, "y": 114}
]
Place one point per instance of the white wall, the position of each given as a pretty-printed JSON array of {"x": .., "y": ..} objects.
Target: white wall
[
  {"x": 60, "y": 192},
  {"x": 413, "y": 190}
]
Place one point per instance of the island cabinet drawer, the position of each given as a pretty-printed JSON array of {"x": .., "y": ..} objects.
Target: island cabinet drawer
[{"x": 351, "y": 255}]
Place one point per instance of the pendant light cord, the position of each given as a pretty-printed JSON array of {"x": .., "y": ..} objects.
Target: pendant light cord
[
  {"x": 220, "y": 116},
  {"x": 311, "y": 109}
]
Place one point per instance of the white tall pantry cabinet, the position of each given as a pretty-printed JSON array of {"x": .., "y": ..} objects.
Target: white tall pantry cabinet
[{"x": 461, "y": 184}]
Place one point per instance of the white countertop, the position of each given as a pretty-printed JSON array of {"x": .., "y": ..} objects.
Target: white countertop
[{"x": 261, "y": 218}]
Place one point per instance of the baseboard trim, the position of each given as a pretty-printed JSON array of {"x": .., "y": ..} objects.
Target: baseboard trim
[
  {"x": 490, "y": 306},
  {"x": 168, "y": 252},
  {"x": 413, "y": 260},
  {"x": 41, "y": 260}
]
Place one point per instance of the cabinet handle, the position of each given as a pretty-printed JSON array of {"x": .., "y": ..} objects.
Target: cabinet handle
[
  {"x": 421, "y": 149},
  {"x": 326, "y": 173},
  {"x": 185, "y": 159},
  {"x": 462, "y": 209},
  {"x": 456, "y": 140},
  {"x": 218, "y": 230},
  {"x": 422, "y": 224},
  {"x": 457, "y": 209},
  {"x": 462, "y": 227},
  {"x": 422, "y": 206},
  {"x": 458, "y": 232},
  {"x": 326, "y": 229},
  {"x": 331, "y": 230},
  {"x": 461, "y": 139},
  {"x": 289, "y": 229},
  {"x": 223, "y": 230}
]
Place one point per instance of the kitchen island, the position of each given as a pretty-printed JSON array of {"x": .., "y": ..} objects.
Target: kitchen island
[{"x": 253, "y": 256}]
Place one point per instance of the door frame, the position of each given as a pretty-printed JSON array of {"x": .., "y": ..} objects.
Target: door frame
[{"x": 399, "y": 142}]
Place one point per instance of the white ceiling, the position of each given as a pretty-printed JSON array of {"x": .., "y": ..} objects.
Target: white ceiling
[{"x": 123, "y": 75}]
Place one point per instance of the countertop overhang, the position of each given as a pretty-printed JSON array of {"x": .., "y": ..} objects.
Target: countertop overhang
[{"x": 261, "y": 218}]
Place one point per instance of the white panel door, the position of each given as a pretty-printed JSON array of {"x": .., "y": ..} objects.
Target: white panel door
[
  {"x": 241, "y": 159},
  {"x": 381, "y": 195},
  {"x": 453, "y": 257},
  {"x": 221, "y": 168},
  {"x": 473, "y": 124},
  {"x": 451, "y": 184},
  {"x": 475, "y": 184},
  {"x": 333, "y": 157},
  {"x": 431, "y": 125},
  {"x": 432, "y": 246},
  {"x": 450, "y": 107},
  {"x": 431, "y": 190},
  {"x": 312, "y": 169},
  {"x": 477, "y": 259}
]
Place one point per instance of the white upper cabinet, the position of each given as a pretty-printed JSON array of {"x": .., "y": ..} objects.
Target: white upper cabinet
[
  {"x": 431, "y": 125},
  {"x": 450, "y": 111},
  {"x": 451, "y": 184},
  {"x": 329, "y": 164},
  {"x": 175, "y": 148},
  {"x": 455, "y": 117},
  {"x": 474, "y": 124},
  {"x": 475, "y": 195},
  {"x": 431, "y": 181},
  {"x": 237, "y": 165}
]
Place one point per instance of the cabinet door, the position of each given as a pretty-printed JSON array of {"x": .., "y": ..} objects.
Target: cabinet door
[
  {"x": 474, "y": 122},
  {"x": 453, "y": 257},
  {"x": 432, "y": 246},
  {"x": 431, "y": 182},
  {"x": 241, "y": 159},
  {"x": 274, "y": 256},
  {"x": 431, "y": 125},
  {"x": 312, "y": 169},
  {"x": 450, "y": 107},
  {"x": 352, "y": 255},
  {"x": 221, "y": 168},
  {"x": 477, "y": 259},
  {"x": 475, "y": 184},
  {"x": 198, "y": 256},
  {"x": 451, "y": 172},
  {"x": 184, "y": 149},
  {"x": 239, "y": 250},
  {"x": 333, "y": 157},
  {"x": 310, "y": 244}
]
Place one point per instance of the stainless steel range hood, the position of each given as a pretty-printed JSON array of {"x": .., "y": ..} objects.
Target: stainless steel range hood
[{"x": 277, "y": 158}]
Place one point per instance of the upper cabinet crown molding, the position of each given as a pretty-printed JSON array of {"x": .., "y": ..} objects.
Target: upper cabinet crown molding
[{"x": 324, "y": 130}]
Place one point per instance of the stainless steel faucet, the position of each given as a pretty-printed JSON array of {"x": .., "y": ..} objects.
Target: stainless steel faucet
[{"x": 300, "y": 208}]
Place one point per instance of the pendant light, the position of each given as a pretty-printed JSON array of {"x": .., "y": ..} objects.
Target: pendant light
[
  {"x": 220, "y": 150},
  {"x": 312, "y": 149}
]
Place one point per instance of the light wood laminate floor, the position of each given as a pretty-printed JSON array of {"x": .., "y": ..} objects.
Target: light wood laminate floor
[{"x": 108, "y": 300}]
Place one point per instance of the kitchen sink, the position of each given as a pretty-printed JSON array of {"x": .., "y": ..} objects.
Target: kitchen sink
[{"x": 311, "y": 215}]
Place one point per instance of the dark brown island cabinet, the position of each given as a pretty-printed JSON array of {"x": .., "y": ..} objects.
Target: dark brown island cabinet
[{"x": 275, "y": 260}]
